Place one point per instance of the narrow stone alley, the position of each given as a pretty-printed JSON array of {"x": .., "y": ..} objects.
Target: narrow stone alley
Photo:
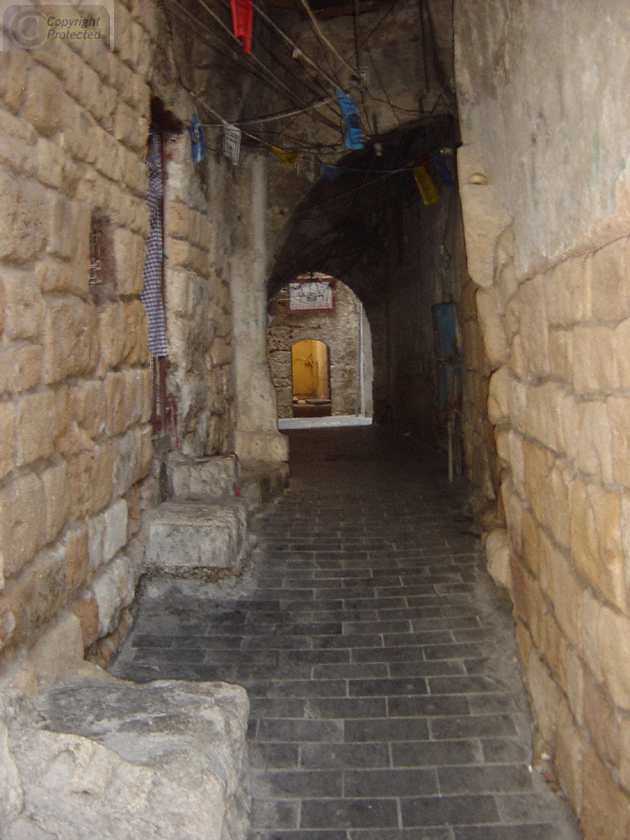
[{"x": 378, "y": 656}]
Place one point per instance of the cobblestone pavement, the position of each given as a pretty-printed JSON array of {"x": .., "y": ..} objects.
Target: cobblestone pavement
[{"x": 379, "y": 658}]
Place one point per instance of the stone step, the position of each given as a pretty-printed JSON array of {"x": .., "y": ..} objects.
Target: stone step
[
  {"x": 197, "y": 534},
  {"x": 215, "y": 475}
]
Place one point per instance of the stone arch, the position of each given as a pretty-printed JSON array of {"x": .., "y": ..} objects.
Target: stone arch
[{"x": 347, "y": 333}]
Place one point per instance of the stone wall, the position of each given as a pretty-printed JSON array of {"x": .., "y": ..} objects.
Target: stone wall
[
  {"x": 339, "y": 330},
  {"x": 198, "y": 303},
  {"x": 75, "y": 376},
  {"x": 75, "y": 383},
  {"x": 544, "y": 195}
]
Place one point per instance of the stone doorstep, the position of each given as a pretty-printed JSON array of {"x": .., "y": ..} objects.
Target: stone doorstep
[
  {"x": 197, "y": 534},
  {"x": 207, "y": 476},
  {"x": 219, "y": 476},
  {"x": 96, "y": 757}
]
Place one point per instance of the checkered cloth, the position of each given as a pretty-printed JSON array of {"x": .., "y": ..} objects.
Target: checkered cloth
[{"x": 151, "y": 296}]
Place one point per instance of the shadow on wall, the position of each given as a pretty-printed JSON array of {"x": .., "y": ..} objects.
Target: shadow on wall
[{"x": 320, "y": 360}]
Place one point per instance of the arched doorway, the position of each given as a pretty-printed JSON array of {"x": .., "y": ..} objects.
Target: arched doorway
[{"x": 310, "y": 378}]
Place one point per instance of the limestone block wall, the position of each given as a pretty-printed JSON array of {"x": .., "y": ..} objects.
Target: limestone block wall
[
  {"x": 75, "y": 384},
  {"x": 339, "y": 330},
  {"x": 560, "y": 404},
  {"x": 198, "y": 305},
  {"x": 75, "y": 377}
]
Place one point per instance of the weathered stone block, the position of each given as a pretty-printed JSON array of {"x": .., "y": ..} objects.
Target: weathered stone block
[
  {"x": 22, "y": 526},
  {"x": 601, "y": 723},
  {"x": 59, "y": 650},
  {"x": 591, "y": 609},
  {"x": 621, "y": 346},
  {"x": 190, "y": 782},
  {"x": 619, "y": 417},
  {"x": 569, "y": 755},
  {"x": 76, "y": 550},
  {"x": 23, "y": 305},
  {"x": 614, "y": 654},
  {"x": 491, "y": 322},
  {"x": 116, "y": 403},
  {"x": 575, "y": 685},
  {"x": 87, "y": 612},
  {"x": 79, "y": 474},
  {"x": 546, "y": 697},
  {"x": 595, "y": 453},
  {"x": 130, "y": 252},
  {"x": 499, "y": 391},
  {"x": 44, "y": 100},
  {"x": 565, "y": 591},
  {"x": 38, "y": 593},
  {"x": 178, "y": 220},
  {"x": 567, "y": 293},
  {"x": 115, "y": 529},
  {"x": 537, "y": 464},
  {"x": 54, "y": 480},
  {"x": 37, "y": 426},
  {"x": 595, "y": 366},
  {"x": 112, "y": 333},
  {"x": 596, "y": 546},
  {"x": 543, "y": 418},
  {"x": 13, "y": 68},
  {"x": 558, "y": 502},
  {"x": 113, "y": 590},
  {"x": 7, "y": 438},
  {"x": 89, "y": 406},
  {"x": 192, "y": 535},
  {"x": 70, "y": 339},
  {"x": 102, "y": 475},
  {"x": 136, "y": 332},
  {"x": 498, "y": 557},
  {"x": 530, "y": 304},
  {"x": 605, "y": 809},
  {"x": 610, "y": 289},
  {"x": 561, "y": 354}
]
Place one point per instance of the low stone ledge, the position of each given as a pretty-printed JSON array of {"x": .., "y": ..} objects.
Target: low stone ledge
[
  {"x": 198, "y": 534},
  {"x": 209, "y": 476},
  {"x": 100, "y": 757}
]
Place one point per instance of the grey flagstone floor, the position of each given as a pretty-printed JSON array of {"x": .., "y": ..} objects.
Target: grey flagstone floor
[{"x": 379, "y": 658}]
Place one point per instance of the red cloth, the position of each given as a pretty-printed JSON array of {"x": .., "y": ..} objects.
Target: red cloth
[{"x": 242, "y": 20}]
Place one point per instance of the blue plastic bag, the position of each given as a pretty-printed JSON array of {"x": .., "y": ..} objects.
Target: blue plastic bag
[{"x": 196, "y": 137}]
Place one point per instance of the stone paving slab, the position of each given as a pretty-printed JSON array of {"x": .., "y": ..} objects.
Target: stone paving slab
[{"x": 379, "y": 658}]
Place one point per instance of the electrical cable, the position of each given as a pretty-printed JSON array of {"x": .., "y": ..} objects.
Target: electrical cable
[
  {"x": 230, "y": 53},
  {"x": 323, "y": 38},
  {"x": 298, "y": 51},
  {"x": 256, "y": 60}
]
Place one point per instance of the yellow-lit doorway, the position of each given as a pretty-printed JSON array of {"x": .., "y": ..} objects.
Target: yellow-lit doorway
[{"x": 310, "y": 373}]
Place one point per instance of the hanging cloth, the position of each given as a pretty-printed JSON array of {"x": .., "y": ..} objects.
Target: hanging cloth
[
  {"x": 242, "y": 22},
  {"x": 290, "y": 158},
  {"x": 331, "y": 172},
  {"x": 352, "y": 124},
  {"x": 198, "y": 144},
  {"x": 151, "y": 296},
  {"x": 426, "y": 186},
  {"x": 442, "y": 167}
]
